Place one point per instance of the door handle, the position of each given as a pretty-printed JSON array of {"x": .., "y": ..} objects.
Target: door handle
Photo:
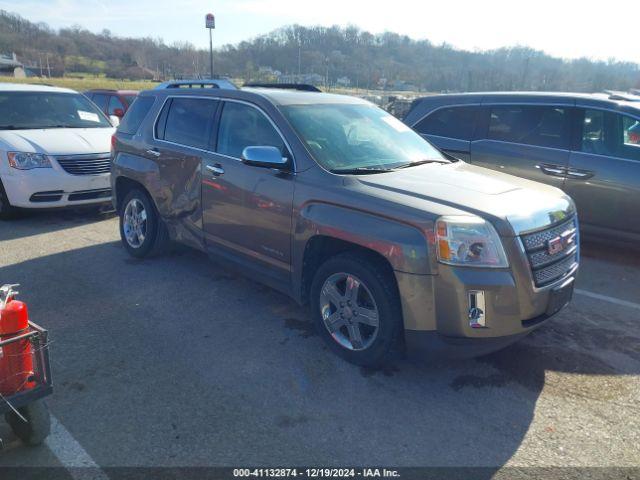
[
  {"x": 216, "y": 169},
  {"x": 154, "y": 152},
  {"x": 581, "y": 174},
  {"x": 553, "y": 170}
]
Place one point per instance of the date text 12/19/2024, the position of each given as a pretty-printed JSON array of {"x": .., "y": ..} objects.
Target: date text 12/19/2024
[{"x": 315, "y": 473}]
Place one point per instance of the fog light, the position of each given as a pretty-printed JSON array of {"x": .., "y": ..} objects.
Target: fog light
[{"x": 476, "y": 309}]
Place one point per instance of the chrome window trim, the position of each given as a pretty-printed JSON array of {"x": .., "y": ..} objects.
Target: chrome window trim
[{"x": 220, "y": 99}]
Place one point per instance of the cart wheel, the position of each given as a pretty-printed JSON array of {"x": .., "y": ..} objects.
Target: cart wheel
[{"x": 38, "y": 423}]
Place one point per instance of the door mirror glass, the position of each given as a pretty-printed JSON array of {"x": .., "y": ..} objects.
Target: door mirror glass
[
  {"x": 263, "y": 156},
  {"x": 115, "y": 121}
]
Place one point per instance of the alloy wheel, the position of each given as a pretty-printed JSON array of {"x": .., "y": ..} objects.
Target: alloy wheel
[
  {"x": 134, "y": 223},
  {"x": 349, "y": 311}
]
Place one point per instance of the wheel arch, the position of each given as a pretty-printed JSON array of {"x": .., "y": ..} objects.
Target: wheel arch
[
  {"x": 122, "y": 186},
  {"x": 324, "y": 230}
]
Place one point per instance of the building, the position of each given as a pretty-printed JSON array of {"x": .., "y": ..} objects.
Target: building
[{"x": 11, "y": 67}]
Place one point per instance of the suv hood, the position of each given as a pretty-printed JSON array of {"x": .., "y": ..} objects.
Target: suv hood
[
  {"x": 58, "y": 141},
  {"x": 514, "y": 205}
]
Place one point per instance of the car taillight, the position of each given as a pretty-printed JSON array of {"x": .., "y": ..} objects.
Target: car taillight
[{"x": 113, "y": 142}]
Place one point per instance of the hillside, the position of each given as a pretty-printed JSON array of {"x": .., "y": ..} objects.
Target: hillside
[{"x": 344, "y": 56}]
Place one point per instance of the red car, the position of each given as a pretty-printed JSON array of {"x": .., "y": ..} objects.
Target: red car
[{"x": 112, "y": 102}]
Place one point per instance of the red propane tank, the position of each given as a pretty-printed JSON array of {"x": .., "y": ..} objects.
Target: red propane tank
[{"x": 16, "y": 359}]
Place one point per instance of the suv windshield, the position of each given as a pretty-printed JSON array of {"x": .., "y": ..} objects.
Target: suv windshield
[
  {"x": 31, "y": 110},
  {"x": 347, "y": 138}
]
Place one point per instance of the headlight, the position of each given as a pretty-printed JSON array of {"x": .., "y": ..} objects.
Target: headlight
[
  {"x": 27, "y": 161},
  {"x": 469, "y": 241}
]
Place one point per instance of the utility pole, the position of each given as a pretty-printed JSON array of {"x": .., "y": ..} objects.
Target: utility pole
[
  {"x": 326, "y": 78},
  {"x": 210, "y": 22},
  {"x": 299, "y": 58}
]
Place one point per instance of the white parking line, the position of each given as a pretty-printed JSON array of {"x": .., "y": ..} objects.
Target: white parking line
[
  {"x": 71, "y": 454},
  {"x": 606, "y": 298}
]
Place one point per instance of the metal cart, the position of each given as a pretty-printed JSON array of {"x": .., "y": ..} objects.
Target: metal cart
[{"x": 25, "y": 411}]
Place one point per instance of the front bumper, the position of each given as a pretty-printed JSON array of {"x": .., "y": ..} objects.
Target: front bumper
[
  {"x": 49, "y": 188},
  {"x": 436, "y": 307}
]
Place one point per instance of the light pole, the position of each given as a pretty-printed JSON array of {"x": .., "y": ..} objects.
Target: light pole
[{"x": 210, "y": 22}]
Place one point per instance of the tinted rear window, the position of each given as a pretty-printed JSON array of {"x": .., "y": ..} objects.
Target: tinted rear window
[
  {"x": 101, "y": 101},
  {"x": 531, "y": 125},
  {"x": 190, "y": 122},
  {"x": 135, "y": 115},
  {"x": 454, "y": 122}
]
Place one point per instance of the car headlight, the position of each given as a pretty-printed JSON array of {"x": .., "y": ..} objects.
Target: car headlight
[
  {"x": 28, "y": 161},
  {"x": 469, "y": 241}
]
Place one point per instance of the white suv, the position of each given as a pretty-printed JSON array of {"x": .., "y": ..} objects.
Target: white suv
[{"x": 54, "y": 149}]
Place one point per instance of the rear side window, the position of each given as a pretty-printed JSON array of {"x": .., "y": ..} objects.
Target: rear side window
[
  {"x": 610, "y": 134},
  {"x": 242, "y": 126},
  {"x": 114, "y": 104},
  {"x": 101, "y": 101},
  {"x": 454, "y": 122},
  {"x": 530, "y": 125},
  {"x": 190, "y": 122},
  {"x": 135, "y": 115}
]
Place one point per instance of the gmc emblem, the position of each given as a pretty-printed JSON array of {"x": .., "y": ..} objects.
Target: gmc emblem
[{"x": 558, "y": 244}]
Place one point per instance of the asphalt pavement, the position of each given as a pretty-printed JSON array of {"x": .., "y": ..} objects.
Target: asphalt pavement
[{"x": 176, "y": 362}]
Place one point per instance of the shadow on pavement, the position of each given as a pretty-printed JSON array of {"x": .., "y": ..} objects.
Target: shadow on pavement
[
  {"x": 174, "y": 361},
  {"x": 36, "y": 222}
]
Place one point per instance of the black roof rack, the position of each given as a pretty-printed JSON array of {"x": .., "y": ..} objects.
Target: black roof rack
[
  {"x": 628, "y": 97},
  {"x": 304, "y": 87},
  {"x": 222, "y": 83}
]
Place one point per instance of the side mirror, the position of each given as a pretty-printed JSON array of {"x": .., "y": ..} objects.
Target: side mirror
[
  {"x": 266, "y": 157},
  {"x": 115, "y": 121},
  {"x": 118, "y": 112}
]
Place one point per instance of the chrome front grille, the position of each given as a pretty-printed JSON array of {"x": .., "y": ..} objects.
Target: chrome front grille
[
  {"x": 91, "y": 164},
  {"x": 548, "y": 264}
]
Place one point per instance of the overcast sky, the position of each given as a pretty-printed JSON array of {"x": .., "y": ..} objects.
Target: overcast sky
[{"x": 565, "y": 28}]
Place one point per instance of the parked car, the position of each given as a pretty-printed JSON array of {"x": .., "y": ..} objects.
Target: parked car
[
  {"x": 112, "y": 102},
  {"x": 587, "y": 145},
  {"x": 54, "y": 149},
  {"x": 342, "y": 206}
]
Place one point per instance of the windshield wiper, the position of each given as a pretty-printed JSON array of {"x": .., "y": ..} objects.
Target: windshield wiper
[
  {"x": 422, "y": 162},
  {"x": 361, "y": 170}
]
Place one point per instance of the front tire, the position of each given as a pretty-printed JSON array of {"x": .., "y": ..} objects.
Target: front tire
[
  {"x": 142, "y": 231},
  {"x": 356, "y": 308}
]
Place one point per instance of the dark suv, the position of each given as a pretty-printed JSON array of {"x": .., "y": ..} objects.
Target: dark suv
[
  {"x": 587, "y": 145},
  {"x": 340, "y": 205}
]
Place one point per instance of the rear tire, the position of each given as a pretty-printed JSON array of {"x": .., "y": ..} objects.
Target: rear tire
[
  {"x": 7, "y": 211},
  {"x": 37, "y": 427},
  {"x": 142, "y": 231},
  {"x": 356, "y": 308}
]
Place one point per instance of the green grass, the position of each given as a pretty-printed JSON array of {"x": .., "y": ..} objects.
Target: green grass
[{"x": 85, "y": 83}]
